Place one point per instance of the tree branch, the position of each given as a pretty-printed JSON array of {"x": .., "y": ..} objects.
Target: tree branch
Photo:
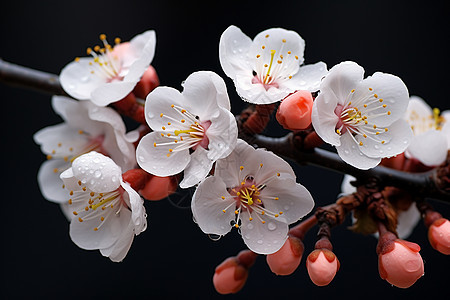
[{"x": 429, "y": 184}]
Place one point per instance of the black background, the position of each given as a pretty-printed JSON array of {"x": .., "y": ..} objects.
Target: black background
[{"x": 173, "y": 258}]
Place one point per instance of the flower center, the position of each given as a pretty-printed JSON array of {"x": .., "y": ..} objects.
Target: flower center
[
  {"x": 274, "y": 66},
  {"x": 106, "y": 64},
  {"x": 358, "y": 116},
  {"x": 186, "y": 131},
  {"x": 423, "y": 124},
  {"x": 69, "y": 153},
  {"x": 90, "y": 205},
  {"x": 248, "y": 198}
]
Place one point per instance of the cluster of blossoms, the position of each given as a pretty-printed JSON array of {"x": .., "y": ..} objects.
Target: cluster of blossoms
[{"x": 99, "y": 172}]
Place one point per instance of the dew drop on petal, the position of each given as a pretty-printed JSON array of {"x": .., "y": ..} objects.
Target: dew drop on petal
[
  {"x": 271, "y": 226},
  {"x": 97, "y": 174},
  {"x": 250, "y": 226},
  {"x": 260, "y": 242},
  {"x": 141, "y": 158}
]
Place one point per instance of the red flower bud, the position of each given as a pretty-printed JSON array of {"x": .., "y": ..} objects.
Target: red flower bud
[
  {"x": 322, "y": 266},
  {"x": 439, "y": 236},
  {"x": 286, "y": 260}
]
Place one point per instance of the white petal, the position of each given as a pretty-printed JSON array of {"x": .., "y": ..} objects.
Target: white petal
[
  {"x": 342, "y": 78},
  {"x": 77, "y": 80},
  {"x": 346, "y": 187},
  {"x": 407, "y": 220},
  {"x": 323, "y": 117},
  {"x": 99, "y": 173},
  {"x": 136, "y": 204},
  {"x": 256, "y": 93},
  {"x": 69, "y": 180},
  {"x": 197, "y": 169},
  {"x": 141, "y": 44},
  {"x": 397, "y": 139},
  {"x": 222, "y": 135},
  {"x": 50, "y": 183},
  {"x": 419, "y": 107},
  {"x": 392, "y": 90},
  {"x": 446, "y": 128},
  {"x": 112, "y": 92},
  {"x": 207, "y": 206},
  {"x": 308, "y": 78},
  {"x": 62, "y": 139},
  {"x": 233, "y": 49},
  {"x": 430, "y": 148},
  {"x": 159, "y": 102},
  {"x": 84, "y": 235},
  {"x": 264, "y": 238},
  {"x": 155, "y": 160},
  {"x": 350, "y": 152},
  {"x": 294, "y": 200},
  {"x": 119, "y": 250}
]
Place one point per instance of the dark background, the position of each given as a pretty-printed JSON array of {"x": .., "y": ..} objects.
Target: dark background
[{"x": 173, "y": 258}]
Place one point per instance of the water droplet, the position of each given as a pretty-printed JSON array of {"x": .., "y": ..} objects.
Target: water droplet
[
  {"x": 376, "y": 147},
  {"x": 247, "y": 236},
  {"x": 96, "y": 160},
  {"x": 214, "y": 237},
  {"x": 260, "y": 242},
  {"x": 286, "y": 207},
  {"x": 97, "y": 174},
  {"x": 141, "y": 158},
  {"x": 271, "y": 226},
  {"x": 381, "y": 151},
  {"x": 405, "y": 142},
  {"x": 389, "y": 148},
  {"x": 353, "y": 147},
  {"x": 84, "y": 79},
  {"x": 113, "y": 178},
  {"x": 346, "y": 151},
  {"x": 250, "y": 226}
]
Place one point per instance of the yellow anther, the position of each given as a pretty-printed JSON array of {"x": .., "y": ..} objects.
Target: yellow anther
[
  {"x": 381, "y": 100},
  {"x": 375, "y": 95},
  {"x": 386, "y": 129},
  {"x": 264, "y": 222},
  {"x": 102, "y": 37},
  {"x": 250, "y": 219},
  {"x": 89, "y": 51},
  {"x": 236, "y": 225},
  {"x": 163, "y": 128},
  {"x": 241, "y": 168},
  {"x": 117, "y": 40},
  {"x": 96, "y": 48},
  {"x": 236, "y": 212},
  {"x": 361, "y": 143},
  {"x": 250, "y": 201},
  {"x": 276, "y": 215},
  {"x": 161, "y": 115},
  {"x": 77, "y": 59},
  {"x": 266, "y": 36},
  {"x": 75, "y": 213},
  {"x": 338, "y": 131},
  {"x": 260, "y": 165},
  {"x": 154, "y": 144},
  {"x": 278, "y": 174},
  {"x": 224, "y": 211},
  {"x": 95, "y": 229},
  {"x": 80, "y": 219},
  {"x": 223, "y": 198},
  {"x": 383, "y": 142},
  {"x": 370, "y": 89},
  {"x": 49, "y": 156},
  {"x": 384, "y": 105},
  {"x": 389, "y": 112},
  {"x": 276, "y": 198},
  {"x": 296, "y": 57},
  {"x": 289, "y": 52},
  {"x": 353, "y": 90},
  {"x": 283, "y": 40},
  {"x": 258, "y": 56}
]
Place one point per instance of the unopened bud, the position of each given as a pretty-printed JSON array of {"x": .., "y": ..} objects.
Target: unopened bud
[
  {"x": 322, "y": 266},
  {"x": 294, "y": 112},
  {"x": 230, "y": 276},
  {"x": 400, "y": 263},
  {"x": 286, "y": 260},
  {"x": 439, "y": 235},
  {"x": 158, "y": 188}
]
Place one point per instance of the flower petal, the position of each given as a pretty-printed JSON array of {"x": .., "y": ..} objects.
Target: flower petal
[
  {"x": 396, "y": 140},
  {"x": 342, "y": 78},
  {"x": 112, "y": 92},
  {"x": 233, "y": 48},
  {"x": 159, "y": 102},
  {"x": 120, "y": 248},
  {"x": 222, "y": 135},
  {"x": 407, "y": 221},
  {"x": 197, "y": 169},
  {"x": 293, "y": 201},
  {"x": 264, "y": 238},
  {"x": 50, "y": 183},
  {"x": 308, "y": 78},
  {"x": 323, "y": 117},
  {"x": 208, "y": 206},
  {"x": 77, "y": 80},
  {"x": 391, "y": 90},
  {"x": 155, "y": 160},
  {"x": 136, "y": 204},
  {"x": 430, "y": 148},
  {"x": 350, "y": 152}
]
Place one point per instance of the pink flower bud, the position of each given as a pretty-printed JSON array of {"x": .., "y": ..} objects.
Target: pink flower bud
[
  {"x": 439, "y": 236},
  {"x": 400, "y": 264},
  {"x": 286, "y": 260},
  {"x": 230, "y": 276},
  {"x": 322, "y": 266},
  {"x": 149, "y": 81},
  {"x": 294, "y": 112},
  {"x": 158, "y": 188}
]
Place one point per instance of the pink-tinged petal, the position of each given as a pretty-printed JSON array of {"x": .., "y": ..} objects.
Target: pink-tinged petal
[
  {"x": 350, "y": 152},
  {"x": 391, "y": 90},
  {"x": 418, "y": 107},
  {"x": 159, "y": 102},
  {"x": 112, "y": 92},
  {"x": 233, "y": 48},
  {"x": 222, "y": 135},
  {"x": 430, "y": 148},
  {"x": 141, "y": 45},
  {"x": 263, "y": 238},
  {"x": 324, "y": 118},
  {"x": 60, "y": 140},
  {"x": 50, "y": 183},
  {"x": 197, "y": 169},
  {"x": 156, "y": 160},
  {"x": 208, "y": 206},
  {"x": 289, "y": 199},
  {"x": 78, "y": 81},
  {"x": 255, "y": 92},
  {"x": 439, "y": 236},
  {"x": 396, "y": 140},
  {"x": 308, "y": 77},
  {"x": 286, "y": 260},
  {"x": 342, "y": 78}
]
